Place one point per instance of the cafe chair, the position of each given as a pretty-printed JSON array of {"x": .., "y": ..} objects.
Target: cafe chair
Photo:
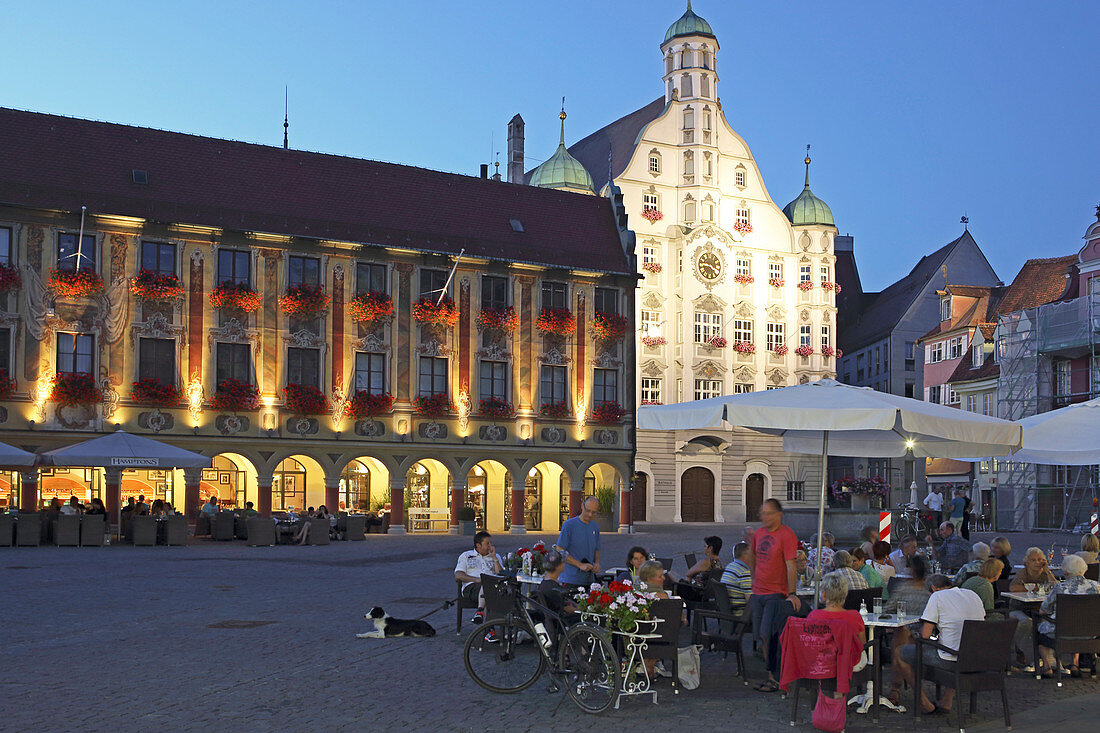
[
  {"x": 175, "y": 532},
  {"x": 1076, "y": 627},
  {"x": 93, "y": 530},
  {"x": 811, "y": 652},
  {"x": 143, "y": 531},
  {"x": 858, "y": 596},
  {"x": 666, "y": 563},
  {"x": 261, "y": 531},
  {"x": 28, "y": 530},
  {"x": 66, "y": 530},
  {"x": 666, "y": 647},
  {"x": 984, "y": 653},
  {"x": 224, "y": 525},
  {"x": 355, "y": 527},
  {"x": 461, "y": 604},
  {"x": 690, "y": 559},
  {"x": 730, "y": 627},
  {"x": 7, "y": 530},
  {"x": 318, "y": 532},
  {"x": 1092, "y": 572}
]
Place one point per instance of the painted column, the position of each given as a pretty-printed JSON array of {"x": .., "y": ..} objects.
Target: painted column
[
  {"x": 263, "y": 494},
  {"x": 28, "y": 492},
  {"x": 337, "y": 339},
  {"x": 626, "y": 506},
  {"x": 191, "y": 504},
  {"x": 196, "y": 305},
  {"x": 112, "y": 481},
  {"x": 576, "y": 498},
  {"x": 458, "y": 499},
  {"x": 397, "y": 507},
  {"x": 519, "y": 489},
  {"x": 332, "y": 493}
]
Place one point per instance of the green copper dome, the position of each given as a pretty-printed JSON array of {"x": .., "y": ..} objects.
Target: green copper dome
[
  {"x": 689, "y": 24},
  {"x": 808, "y": 209},
  {"x": 562, "y": 170}
]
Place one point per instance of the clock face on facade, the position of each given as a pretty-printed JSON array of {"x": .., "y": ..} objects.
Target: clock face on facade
[{"x": 709, "y": 266}]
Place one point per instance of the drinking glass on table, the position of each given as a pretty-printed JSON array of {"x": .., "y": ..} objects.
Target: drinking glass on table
[
  {"x": 1030, "y": 588},
  {"x": 901, "y": 608},
  {"x": 877, "y": 605}
]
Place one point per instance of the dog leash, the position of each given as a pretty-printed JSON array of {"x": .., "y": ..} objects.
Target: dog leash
[{"x": 446, "y": 604}]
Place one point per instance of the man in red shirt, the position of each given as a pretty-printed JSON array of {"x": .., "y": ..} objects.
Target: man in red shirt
[{"x": 774, "y": 579}]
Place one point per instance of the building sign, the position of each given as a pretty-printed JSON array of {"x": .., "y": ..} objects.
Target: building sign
[{"x": 135, "y": 462}]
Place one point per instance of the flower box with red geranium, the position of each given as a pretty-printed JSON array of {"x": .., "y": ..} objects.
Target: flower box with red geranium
[
  {"x": 717, "y": 342},
  {"x": 652, "y": 215},
  {"x": 304, "y": 399},
  {"x": 155, "y": 393},
  {"x": 7, "y": 386},
  {"x": 805, "y": 286},
  {"x": 839, "y": 353},
  {"x": 780, "y": 350},
  {"x": 654, "y": 267},
  {"x": 365, "y": 405},
  {"x": 494, "y": 407},
  {"x": 651, "y": 402},
  {"x": 619, "y": 607},
  {"x": 442, "y": 314},
  {"x": 609, "y": 326},
  {"x": 743, "y": 279},
  {"x": 804, "y": 351},
  {"x": 654, "y": 341},
  {"x": 498, "y": 319},
  {"x": 75, "y": 283},
  {"x": 556, "y": 321},
  {"x": 608, "y": 413},
  {"x": 234, "y": 296},
  {"x": 232, "y": 396},
  {"x": 744, "y": 347},
  {"x": 436, "y": 405},
  {"x": 304, "y": 302},
  {"x": 153, "y": 286},
  {"x": 75, "y": 388},
  {"x": 554, "y": 410},
  {"x": 827, "y": 351},
  {"x": 742, "y": 227},
  {"x": 776, "y": 282},
  {"x": 826, "y": 285},
  {"x": 369, "y": 307},
  {"x": 10, "y": 278}
]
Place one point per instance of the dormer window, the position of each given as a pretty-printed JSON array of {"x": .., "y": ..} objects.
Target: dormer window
[
  {"x": 978, "y": 354},
  {"x": 945, "y": 308}
]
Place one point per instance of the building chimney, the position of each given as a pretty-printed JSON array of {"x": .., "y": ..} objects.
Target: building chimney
[
  {"x": 515, "y": 150},
  {"x": 484, "y": 170}
]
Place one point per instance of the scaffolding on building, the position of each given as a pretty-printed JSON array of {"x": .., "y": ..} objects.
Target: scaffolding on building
[{"x": 1027, "y": 343}]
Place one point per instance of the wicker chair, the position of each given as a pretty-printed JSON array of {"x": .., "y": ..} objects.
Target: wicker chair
[
  {"x": 28, "y": 530},
  {"x": 261, "y": 531},
  {"x": 7, "y": 530},
  {"x": 318, "y": 532},
  {"x": 355, "y": 526},
  {"x": 66, "y": 530},
  {"x": 224, "y": 526},
  {"x": 175, "y": 532},
  {"x": 93, "y": 530},
  {"x": 143, "y": 531}
]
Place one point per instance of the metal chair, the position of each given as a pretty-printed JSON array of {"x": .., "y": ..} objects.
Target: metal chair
[
  {"x": 666, "y": 648},
  {"x": 666, "y": 563},
  {"x": 857, "y": 596},
  {"x": 461, "y": 604},
  {"x": 731, "y": 626},
  {"x": 1076, "y": 627},
  {"x": 690, "y": 559}
]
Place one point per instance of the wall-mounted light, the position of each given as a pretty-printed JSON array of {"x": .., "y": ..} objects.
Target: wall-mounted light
[
  {"x": 194, "y": 399},
  {"x": 463, "y": 406}
]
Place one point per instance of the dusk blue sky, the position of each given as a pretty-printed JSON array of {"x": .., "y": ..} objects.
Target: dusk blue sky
[{"x": 917, "y": 112}]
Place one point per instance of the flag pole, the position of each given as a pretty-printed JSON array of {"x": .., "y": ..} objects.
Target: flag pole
[{"x": 450, "y": 276}]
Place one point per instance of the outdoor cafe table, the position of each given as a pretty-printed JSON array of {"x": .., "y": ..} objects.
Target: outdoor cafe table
[{"x": 872, "y": 697}]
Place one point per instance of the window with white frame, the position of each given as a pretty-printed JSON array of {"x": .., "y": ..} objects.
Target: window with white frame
[
  {"x": 742, "y": 331},
  {"x": 977, "y": 356},
  {"x": 554, "y": 295},
  {"x": 5, "y": 246},
  {"x": 649, "y": 254},
  {"x": 1062, "y": 380},
  {"x": 651, "y": 390},
  {"x": 743, "y": 267},
  {"x": 742, "y": 388},
  {"x": 651, "y": 323},
  {"x": 935, "y": 353},
  {"x": 433, "y": 376},
  {"x": 72, "y": 257},
  {"x": 232, "y": 361},
  {"x": 945, "y": 308},
  {"x": 303, "y": 271},
  {"x": 706, "y": 388},
  {"x": 804, "y": 273},
  {"x": 956, "y": 346},
  {"x": 158, "y": 257},
  {"x": 689, "y": 211},
  {"x": 739, "y": 178},
  {"x": 972, "y": 403},
  {"x": 983, "y": 466},
  {"x": 680, "y": 327},
  {"x": 708, "y": 211},
  {"x": 303, "y": 366},
  {"x": 805, "y": 337},
  {"x": 370, "y": 277},
  {"x": 370, "y": 372},
  {"x": 649, "y": 201},
  {"x": 776, "y": 335},
  {"x": 824, "y": 273},
  {"x": 987, "y": 404},
  {"x": 952, "y": 396},
  {"x": 742, "y": 215},
  {"x": 826, "y": 337},
  {"x": 234, "y": 266},
  {"x": 935, "y": 394},
  {"x": 689, "y": 163},
  {"x": 796, "y": 491},
  {"x": 654, "y": 164},
  {"x": 775, "y": 270},
  {"x": 689, "y": 117},
  {"x": 707, "y": 326}
]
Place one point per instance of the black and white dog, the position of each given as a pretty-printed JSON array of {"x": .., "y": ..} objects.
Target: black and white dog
[{"x": 386, "y": 626}]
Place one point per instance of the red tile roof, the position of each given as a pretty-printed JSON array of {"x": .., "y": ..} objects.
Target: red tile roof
[
  {"x": 982, "y": 306},
  {"x": 946, "y": 467},
  {"x": 55, "y": 162}
]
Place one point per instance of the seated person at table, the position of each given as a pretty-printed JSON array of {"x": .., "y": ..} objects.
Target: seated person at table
[
  {"x": 999, "y": 549},
  {"x": 737, "y": 578},
  {"x": 953, "y": 551},
  {"x": 827, "y": 553},
  {"x": 141, "y": 508},
  {"x": 880, "y": 561},
  {"x": 157, "y": 509},
  {"x": 948, "y": 608},
  {"x": 634, "y": 559},
  {"x": 1090, "y": 549},
  {"x": 377, "y": 519},
  {"x": 803, "y": 573},
  {"x": 651, "y": 578},
  {"x": 552, "y": 593},
  {"x": 74, "y": 507},
  {"x": 842, "y": 561},
  {"x": 96, "y": 507},
  {"x": 324, "y": 516},
  {"x": 834, "y": 589},
  {"x": 911, "y": 589},
  {"x": 982, "y": 584},
  {"x": 902, "y": 557},
  {"x": 979, "y": 553},
  {"x": 1035, "y": 570},
  {"x": 471, "y": 564},
  {"x": 210, "y": 508},
  {"x": 860, "y": 565},
  {"x": 710, "y": 561},
  {"x": 302, "y": 535},
  {"x": 250, "y": 510},
  {"x": 1075, "y": 584}
]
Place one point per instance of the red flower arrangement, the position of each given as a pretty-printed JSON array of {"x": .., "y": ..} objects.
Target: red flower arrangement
[
  {"x": 155, "y": 393},
  {"x": 558, "y": 321},
  {"x": 75, "y": 283},
  {"x": 743, "y": 279},
  {"x": 10, "y": 278},
  {"x": 429, "y": 313},
  {"x": 7, "y": 386},
  {"x": 742, "y": 227},
  {"x": 149, "y": 285},
  {"x": 608, "y": 413},
  {"x": 776, "y": 282},
  {"x": 75, "y": 388},
  {"x": 839, "y": 353},
  {"x": 232, "y": 396},
  {"x": 652, "y": 215},
  {"x": 495, "y": 408},
  {"x": 436, "y": 405},
  {"x": 654, "y": 341},
  {"x": 369, "y": 307},
  {"x": 826, "y": 285},
  {"x": 717, "y": 342},
  {"x": 652, "y": 402},
  {"x": 367, "y": 404},
  {"x": 554, "y": 410},
  {"x": 805, "y": 286},
  {"x": 653, "y": 267},
  {"x": 744, "y": 347},
  {"x": 827, "y": 351},
  {"x": 498, "y": 319},
  {"x": 304, "y": 302},
  {"x": 836, "y": 288},
  {"x": 609, "y": 326},
  {"x": 235, "y": 296},
  {"x": 804, "y": 351},
  {"x": 780, "y": 350},
  {"x": 303, "y": 399}
]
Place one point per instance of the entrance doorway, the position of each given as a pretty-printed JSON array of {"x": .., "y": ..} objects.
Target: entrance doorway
[
  {"x": 638, "y": 500},
  {"x": 754, "y": 496},
  {"x": 697, "y": 495}
]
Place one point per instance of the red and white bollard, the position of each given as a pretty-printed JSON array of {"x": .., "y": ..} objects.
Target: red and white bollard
[
  {"x": 1095, "y": 529},
  {"x": 884, "y": 526}
]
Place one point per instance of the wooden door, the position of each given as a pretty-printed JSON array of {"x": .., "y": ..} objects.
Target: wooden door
[
  {"x": 697, "y": 495},
  {"x": 754, "y": 497},
  {"x": 639, "y": 499}
]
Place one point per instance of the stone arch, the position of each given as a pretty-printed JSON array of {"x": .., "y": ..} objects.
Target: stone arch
[
  {"x": 488, "y": 489},
  {"x": 298, "y": 480},
  {"x": 364, "y": 484},
  {"x": 697, "y": 487}
]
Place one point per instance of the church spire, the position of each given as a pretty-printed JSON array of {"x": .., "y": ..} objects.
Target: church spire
[
  {"x": 807, "y": 162},
  {"x": 562, "y": 118}
]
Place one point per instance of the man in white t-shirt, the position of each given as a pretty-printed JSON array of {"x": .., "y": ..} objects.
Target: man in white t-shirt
[
  {"x": 934, "y": 502},
  {"x": 948, "y": 608},
  {"x": 471, "y": 564}
]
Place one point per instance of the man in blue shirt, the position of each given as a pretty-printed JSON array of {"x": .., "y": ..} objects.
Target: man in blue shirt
[
  {"x": 580, "y": 540},
  {"x": 738, "y": 578}
]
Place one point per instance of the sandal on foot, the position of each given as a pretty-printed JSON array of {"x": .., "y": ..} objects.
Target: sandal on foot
[{"x": 767, "y": 686}]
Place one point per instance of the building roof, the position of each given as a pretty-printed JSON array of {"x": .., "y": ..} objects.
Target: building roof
[
  {"x": 689, "y": 24},
  {"x": 617, "y": 139},
  {"x": 62, "y": 163},
  {"x": 946, "y": 467},
  {"x": 808, "y": 209},
  {"x": 562, "y": 170},
  {"x": 981, "y": 308}
]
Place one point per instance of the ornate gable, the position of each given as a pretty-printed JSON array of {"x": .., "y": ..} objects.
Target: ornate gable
[{"x": 709, "y": 368}]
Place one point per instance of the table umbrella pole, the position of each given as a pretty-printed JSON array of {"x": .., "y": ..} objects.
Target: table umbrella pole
[{"x": 821, "y": 515}]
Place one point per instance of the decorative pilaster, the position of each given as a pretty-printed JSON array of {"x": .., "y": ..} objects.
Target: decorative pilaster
[
  {"x": 524, "y": 333},
  {"x": 269, "y": 328},
  {"x": 464, "y": 336},
  {"x": 332, "y": 493},
  {"x": 626, "y": 506},
  {"x": 112, "y": 483},
  {"x": 458, "y": 499},
  {"x": 28, "y": 492},
  {"x": 263, "y": 494},
  {"x": 397, "y": 507},
  {"x": 519, "y": 490},
  {"x": 403, "y": 312},
  {"x": 337, "y": 339},
  {"x": 576, "y": 498},
  {"x": 582, "y": 362},
  {"x": 192, "y": 477},
  {"x": 196, "y": 305}
]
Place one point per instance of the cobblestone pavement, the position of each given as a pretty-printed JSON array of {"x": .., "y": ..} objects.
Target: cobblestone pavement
[{"x": 263, "y": 639}]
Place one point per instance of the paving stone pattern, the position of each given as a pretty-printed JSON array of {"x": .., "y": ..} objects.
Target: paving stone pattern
[{"x": 220, "y": 636}]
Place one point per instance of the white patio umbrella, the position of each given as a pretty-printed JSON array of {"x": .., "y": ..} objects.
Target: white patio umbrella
[
  {"x": 829, "y": 417},
  {"x": 12, "y": 456},
  {"x": 124, "y": 450},
  {"x": 1069, "y": 436}
]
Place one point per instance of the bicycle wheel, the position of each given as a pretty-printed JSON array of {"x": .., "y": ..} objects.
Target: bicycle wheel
[
  {"x": 590, "y": 668},
  {"x": 502, "y": 656}
]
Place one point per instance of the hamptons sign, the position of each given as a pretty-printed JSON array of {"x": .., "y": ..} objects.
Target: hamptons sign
[{"x": 134, "y": 462}]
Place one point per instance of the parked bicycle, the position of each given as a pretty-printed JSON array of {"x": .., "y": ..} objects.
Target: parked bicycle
[
  {"x": 510, "y": 652},
  {"x": 908, "y": 521}
]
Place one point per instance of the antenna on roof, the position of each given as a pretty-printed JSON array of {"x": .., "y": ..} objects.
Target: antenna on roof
[
  {"x": 964, "y": 220},
  {"x": 286, "y": 117}
]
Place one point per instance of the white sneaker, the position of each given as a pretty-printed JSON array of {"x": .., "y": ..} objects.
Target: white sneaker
[{"x": 660, "y": 670}]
